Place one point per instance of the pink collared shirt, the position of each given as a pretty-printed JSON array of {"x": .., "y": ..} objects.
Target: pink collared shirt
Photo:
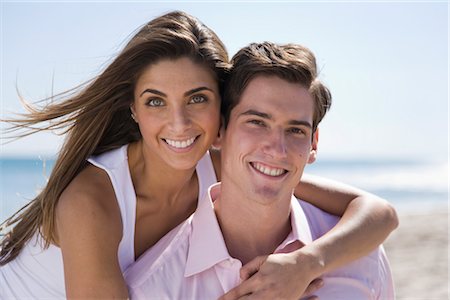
[{"x": 192, "y": 261}]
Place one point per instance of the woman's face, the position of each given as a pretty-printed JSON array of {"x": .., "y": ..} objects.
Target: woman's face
[{"x": 177, "y": 107}]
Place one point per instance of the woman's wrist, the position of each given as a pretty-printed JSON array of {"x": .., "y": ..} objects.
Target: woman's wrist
[{"x": 311, "y": 261}]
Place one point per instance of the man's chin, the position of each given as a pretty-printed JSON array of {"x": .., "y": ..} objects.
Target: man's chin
[{"x": 267, "y": 195}]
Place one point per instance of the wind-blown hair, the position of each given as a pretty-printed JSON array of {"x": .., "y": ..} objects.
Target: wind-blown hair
[
  {"x": 290, "y": 62},
  {"x": 98, "y": 118}
]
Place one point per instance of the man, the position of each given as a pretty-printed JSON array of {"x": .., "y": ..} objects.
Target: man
[{"x": 272, "y": 107}]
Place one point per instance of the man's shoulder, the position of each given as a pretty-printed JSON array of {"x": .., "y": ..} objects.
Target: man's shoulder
[
  {"x": 170, "y": 252},
  {"x": 319, "y": 221},
  {"x": 369, "y": 275}
]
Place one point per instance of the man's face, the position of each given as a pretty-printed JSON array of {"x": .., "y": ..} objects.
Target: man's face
[{"x": 268, "y": 140}]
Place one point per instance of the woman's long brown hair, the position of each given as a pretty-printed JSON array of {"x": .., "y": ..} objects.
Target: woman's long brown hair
[{"x": 96, "y": 116}]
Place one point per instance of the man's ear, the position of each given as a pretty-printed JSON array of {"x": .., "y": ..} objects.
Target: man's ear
[
  {"x": 217, "y": 144},
  {"x": 313, "y": 151}
]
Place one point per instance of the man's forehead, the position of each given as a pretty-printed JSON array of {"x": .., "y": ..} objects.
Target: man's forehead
[{"x": 272, "y": 95}]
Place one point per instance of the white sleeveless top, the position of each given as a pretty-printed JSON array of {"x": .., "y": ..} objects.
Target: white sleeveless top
[{"x": 38, "y": 273}]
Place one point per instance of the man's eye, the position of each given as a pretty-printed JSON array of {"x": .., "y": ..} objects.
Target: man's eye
[
  {"x": 155, "y": 102},
  {"x": 296, "y": 130},
  {"x": 197, "y": 99},
  {"x": 257, "y": 122}
]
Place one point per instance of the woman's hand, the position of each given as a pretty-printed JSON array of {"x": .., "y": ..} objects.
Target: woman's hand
[{"x": 277, "y": 276}]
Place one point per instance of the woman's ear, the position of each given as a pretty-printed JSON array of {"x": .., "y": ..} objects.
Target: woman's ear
[
  {"x": 133, "y": 114},
  {"x": 217, "y": 144},
  {"x": 313, "y": 151}
]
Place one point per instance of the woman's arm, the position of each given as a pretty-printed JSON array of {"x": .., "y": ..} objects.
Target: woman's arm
[
  {"x": 365, "y": 223},
  {"x": 366, "y": 220},
  {"x": 89, "y": 231}
]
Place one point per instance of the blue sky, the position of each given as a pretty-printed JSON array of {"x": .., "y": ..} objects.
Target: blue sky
[{"x": 385, "y": 63}]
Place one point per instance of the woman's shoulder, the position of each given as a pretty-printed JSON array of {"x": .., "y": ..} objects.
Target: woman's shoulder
[
  {"x": 91, "y": 182},
  {"x": 89, "y": 200},
  {"x": 89, "y": 229},
  {"x": 111, "y": 159}
]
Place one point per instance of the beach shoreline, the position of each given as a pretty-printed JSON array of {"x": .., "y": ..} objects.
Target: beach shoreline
[{"x": 418, "y": 254}]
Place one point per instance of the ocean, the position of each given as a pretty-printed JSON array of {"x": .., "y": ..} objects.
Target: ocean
[{"x": 411, "y": 186}]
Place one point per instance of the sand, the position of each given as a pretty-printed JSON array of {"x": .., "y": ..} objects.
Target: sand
[{"x": 419, "y": 257}]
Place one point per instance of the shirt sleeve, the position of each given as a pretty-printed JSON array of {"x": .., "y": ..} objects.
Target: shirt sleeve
[{"x": 386, "y": 283}]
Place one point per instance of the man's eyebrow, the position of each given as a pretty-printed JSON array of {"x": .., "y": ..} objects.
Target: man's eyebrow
[
  {"x": 300, "y": 123},
  {"x": 190, "y": 92},
  {"x": 252, "y": 112}
]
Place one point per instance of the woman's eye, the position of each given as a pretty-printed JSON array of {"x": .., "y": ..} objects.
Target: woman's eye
[
  {"x": 155, "y": 102},
  {"x": 197, "y": 99}
]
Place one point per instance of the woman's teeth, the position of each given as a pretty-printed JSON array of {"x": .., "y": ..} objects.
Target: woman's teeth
[{"x": 180, "y": 144}]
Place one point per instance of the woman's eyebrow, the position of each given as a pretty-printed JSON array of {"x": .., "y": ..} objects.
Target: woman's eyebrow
[
  {"x": 190, "y": 92},
  {"x": 193, "y": 91},
  {"x": 153, "y": 92}
]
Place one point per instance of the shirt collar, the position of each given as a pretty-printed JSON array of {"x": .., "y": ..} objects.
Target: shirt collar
[
  {"x": 207, "y": 246},
  {"x": 300, "y": 227}
]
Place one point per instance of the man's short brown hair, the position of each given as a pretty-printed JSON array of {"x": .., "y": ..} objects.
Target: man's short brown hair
[{"x": 290, "y": 62}]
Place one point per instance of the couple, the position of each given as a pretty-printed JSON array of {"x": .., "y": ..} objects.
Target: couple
[
  {"x": 274, "y": 103},
  {"x": 133, "y": 167}
]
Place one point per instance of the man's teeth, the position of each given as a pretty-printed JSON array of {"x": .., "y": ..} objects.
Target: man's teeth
[
  {"x": 267, "y": 170},
  {"x": 180, "y": 144}
]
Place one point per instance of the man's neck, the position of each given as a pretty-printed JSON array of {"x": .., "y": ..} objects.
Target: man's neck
[{"x": 250, "y": 228}]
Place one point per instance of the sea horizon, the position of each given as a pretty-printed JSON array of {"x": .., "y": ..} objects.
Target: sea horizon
[{"x": 412, "y": 186}]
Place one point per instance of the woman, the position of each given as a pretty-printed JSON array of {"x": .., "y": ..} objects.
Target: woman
[{"x": 133, "y": 165}]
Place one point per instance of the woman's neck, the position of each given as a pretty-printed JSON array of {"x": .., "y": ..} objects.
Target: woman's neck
[{"x": 152, "y": 177}]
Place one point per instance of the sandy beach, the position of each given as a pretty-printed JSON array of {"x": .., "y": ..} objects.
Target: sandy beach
[{"x": 419, "y": 257}]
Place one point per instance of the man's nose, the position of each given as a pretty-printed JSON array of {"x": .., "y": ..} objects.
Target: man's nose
[{"x": 275, "y": 144}]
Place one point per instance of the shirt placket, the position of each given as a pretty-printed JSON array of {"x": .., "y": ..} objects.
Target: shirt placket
[{"x": 228, "y": 273}]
